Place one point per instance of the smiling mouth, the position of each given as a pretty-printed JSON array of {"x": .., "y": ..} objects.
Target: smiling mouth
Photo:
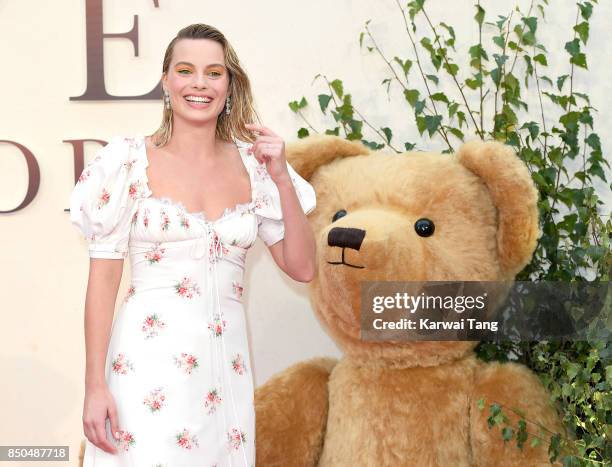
[{"x": 344, "y": 262}]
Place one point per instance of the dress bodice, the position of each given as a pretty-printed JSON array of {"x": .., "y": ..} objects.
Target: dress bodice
[{"x": 112, "y": 204}]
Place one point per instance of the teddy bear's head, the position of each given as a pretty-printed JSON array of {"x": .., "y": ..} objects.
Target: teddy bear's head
[{"x": 416, "y": 216}]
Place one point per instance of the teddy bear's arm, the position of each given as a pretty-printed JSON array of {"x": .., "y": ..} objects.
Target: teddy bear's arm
[
  {"x": 513, "y": 386},
  {"x": 291, "y": 415}
]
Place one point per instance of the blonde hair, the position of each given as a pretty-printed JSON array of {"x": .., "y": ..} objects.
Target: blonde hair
[{"x": 242, "y": 108}]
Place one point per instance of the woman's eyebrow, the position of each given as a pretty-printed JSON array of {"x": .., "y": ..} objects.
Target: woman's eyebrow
[{"x": 191, "y": 64}]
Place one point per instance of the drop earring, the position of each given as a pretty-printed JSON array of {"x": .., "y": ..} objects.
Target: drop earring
[
  {"x": 167, "y": 99},
  {"x": 227, "y": 105}
]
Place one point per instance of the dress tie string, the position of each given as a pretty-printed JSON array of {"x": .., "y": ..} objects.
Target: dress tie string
[{"x": 211, "y": 245}]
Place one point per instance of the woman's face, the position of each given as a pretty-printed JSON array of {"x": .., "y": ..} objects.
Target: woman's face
[{"x": 197, "y": 69}]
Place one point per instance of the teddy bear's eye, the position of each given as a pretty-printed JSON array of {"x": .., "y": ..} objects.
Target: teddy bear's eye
[
  {"x": 339, "y": 214},
  {"x": 424, "y": 227}
]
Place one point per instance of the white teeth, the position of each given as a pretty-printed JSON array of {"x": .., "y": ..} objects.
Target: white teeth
[{"x": 198, "y": 99}]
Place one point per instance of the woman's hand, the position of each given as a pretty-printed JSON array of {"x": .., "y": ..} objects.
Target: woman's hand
[
  {"x": 270, "y": 148},
  {"x": 99, "y": 403}
]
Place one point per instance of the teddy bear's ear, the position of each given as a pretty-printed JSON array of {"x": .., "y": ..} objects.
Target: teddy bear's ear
[
  {"x": 306, "y": 155},
  {"x": 515, "y": 196}
]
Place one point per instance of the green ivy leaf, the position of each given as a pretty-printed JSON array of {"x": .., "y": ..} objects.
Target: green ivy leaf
[
  {"x": 336, "y": 85},
  {"x": 433, "y": 78},
  {"x": 573, "y": 47},
  {"x": 541, "y": 59},
  {"x": 441, "y": 97},
  {"x": 324, "y": 101},
  {"x": 388, "y": 133},
  {"x": 302, "y": 133},
  {"x": 499, "y": 41},
  {"x": 579, "y": 60},
  {"x": 560, "y": 80},
  {"x": 480, "y": 14},
  {"x": 457, "y": 132},
  {"x": 531, "y": 22},
  {"x": 583, "y": 31},
  {"x": 432, "y": 123},
  {"x": 586, "y": 10},
  {"x": 295, "y": 105},
  {"x": 451, "y": 68},
  {"x": 411, "y": 95},
  {"x": 406, "y": 65}
]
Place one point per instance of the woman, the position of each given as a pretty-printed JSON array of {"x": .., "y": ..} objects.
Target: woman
[{"x": 171, "y": 382}]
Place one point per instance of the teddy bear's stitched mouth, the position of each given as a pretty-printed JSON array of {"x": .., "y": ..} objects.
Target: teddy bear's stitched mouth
[{"x": 345, "y": 263}]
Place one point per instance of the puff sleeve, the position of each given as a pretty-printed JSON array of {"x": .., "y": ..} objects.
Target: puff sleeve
[
  {"x": 271, "y": 227},
  {"x": 102, "y": 201}
]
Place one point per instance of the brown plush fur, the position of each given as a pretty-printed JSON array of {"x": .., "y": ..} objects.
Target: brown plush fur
[{"x": 411, "y": 403}]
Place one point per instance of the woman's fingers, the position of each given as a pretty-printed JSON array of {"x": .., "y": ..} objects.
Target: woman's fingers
[
  {"x": 90, "y": 433},
  {"x": 261, "y": 129},
  {"x": 112, "y": 415},
  {"x": 103, "y": 442}
]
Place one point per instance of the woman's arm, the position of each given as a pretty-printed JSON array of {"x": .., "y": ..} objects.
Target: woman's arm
[
  {"x": 295, "y": 253},
  {"x": 102, "y": 288}
]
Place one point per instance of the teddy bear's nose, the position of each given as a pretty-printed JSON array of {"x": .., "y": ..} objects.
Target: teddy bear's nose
[{"x": 346, "y": 237}]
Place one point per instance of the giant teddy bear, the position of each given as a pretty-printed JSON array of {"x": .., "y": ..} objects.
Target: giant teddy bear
[{"x": 405, "y": 403}]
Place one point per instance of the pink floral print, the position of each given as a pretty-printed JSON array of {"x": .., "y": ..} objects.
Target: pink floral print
[
  {"x": 235, "y": 438},
  {"x": 237, "y": 289},
  {"x": 186, "y": 440},
  {"x": 132, "y": 141},
  {"x": 261, "y": 200},
  {"x": 135, "y": 189},
  {"x": 104, "y": 198},
  {"x": 184, "y": 221},
  {"x": 165, "y": 219},
  {"x": 238, "y": 364},
  {"x": 212, "y": 400},
  {"x": 130, "y": 293},
  {"x": 217, "y": 327},
  {"x": 122, "y": 365},
  {"x": 155, "y": 254},
  {"x": 155, "y": 399},
  {"x": 187, "y": 288},
  {"x": 126, "y": 440},
  {"x": 261, "y": 172},
  {"x": 145, "y": 218},
  {"x": 187, "y": 362},
  {"x": 152, "y": 325},
  {"x": 84, "y": 175}
]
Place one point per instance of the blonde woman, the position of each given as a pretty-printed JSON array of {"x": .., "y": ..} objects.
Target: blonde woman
[{"x": 169, "y": 382}]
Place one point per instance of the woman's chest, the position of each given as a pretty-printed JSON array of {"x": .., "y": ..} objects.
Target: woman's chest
[{"x": 163, "y": 220}]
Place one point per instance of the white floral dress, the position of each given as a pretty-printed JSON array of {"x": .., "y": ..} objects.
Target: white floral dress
[{"x": 178, "y": 363}]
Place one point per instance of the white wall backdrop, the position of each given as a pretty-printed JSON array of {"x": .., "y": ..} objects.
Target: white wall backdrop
[{"x": 283, "y": 45}]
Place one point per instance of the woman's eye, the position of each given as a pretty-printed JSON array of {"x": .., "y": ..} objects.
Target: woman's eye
[
  {"x": 339, "y": 214},
  {"x": 180, "y": 71},
  {"x": 216, "y": 73}
]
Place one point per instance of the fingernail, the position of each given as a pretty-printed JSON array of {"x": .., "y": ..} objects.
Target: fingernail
[{"x": 116, "y": 434}]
